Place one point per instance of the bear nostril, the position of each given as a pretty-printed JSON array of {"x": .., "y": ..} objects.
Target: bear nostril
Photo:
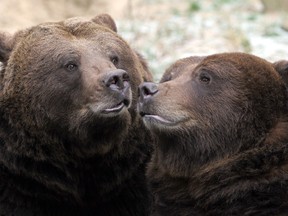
[
  {"x": 126, "y": 77},
  {"x": 115, "y": 79},
  {"x": 148, "y": 89}
]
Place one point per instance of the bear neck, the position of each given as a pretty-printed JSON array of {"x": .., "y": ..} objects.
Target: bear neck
[
  {"x": 239, "y": 173},
  {"x": 44, "y": 167},
  {"x": 182, "y": 154}
]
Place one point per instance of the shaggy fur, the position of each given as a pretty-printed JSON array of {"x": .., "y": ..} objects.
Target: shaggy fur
[
  {"x": 71, "y": 141},
  {"x": 222, "y": 131},
  {"x": 282, "y": 67}
]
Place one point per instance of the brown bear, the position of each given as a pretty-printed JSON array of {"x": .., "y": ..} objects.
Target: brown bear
[
  {"x": 71, "y": 140},
  {"x": 222, "y": 137}
]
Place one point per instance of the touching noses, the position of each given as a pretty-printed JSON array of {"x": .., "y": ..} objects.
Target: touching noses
[
  {"x": 117, "y": 80},
  {"x": 147, "y": 89}
]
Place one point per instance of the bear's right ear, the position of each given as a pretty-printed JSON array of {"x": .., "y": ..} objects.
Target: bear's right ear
[
  {"x": 105, "y": 20},
  {"x": 282, "y": 68},
  {"x": 6, "y": 45}
]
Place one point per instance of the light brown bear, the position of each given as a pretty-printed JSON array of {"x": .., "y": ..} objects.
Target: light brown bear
[
  {"x": 71, "y": 141},
  {"x": 222, "y": 137}
]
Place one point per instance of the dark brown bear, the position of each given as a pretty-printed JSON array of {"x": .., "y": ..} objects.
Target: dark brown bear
[
  {"x": 71, "y": 141},
  {"x": 222, "y": 130}
]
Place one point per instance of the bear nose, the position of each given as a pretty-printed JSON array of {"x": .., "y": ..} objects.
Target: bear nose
[
  {"x": 117, "y": 79},
  {"x": 147, "y": 89}
]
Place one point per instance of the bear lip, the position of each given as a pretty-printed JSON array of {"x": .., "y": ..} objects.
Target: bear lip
[
  {"x": 157, "y": 119},
  {"x": 118, "y": 108}
]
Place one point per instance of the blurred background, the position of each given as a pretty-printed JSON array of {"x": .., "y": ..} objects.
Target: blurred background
[{"x": 166, "y": 30}]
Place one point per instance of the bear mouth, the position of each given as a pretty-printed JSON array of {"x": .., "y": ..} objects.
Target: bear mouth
[
  {"x": 117, "y": 108},
  {"x": 156, "y": 119}
]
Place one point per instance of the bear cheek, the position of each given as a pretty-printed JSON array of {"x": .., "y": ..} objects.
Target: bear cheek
[
  {"x": 175, "y": 102},
  {"x": 92, "y": 92},
  {"x": 190, "y": 104},
  {"x": 58, "y": 93}
]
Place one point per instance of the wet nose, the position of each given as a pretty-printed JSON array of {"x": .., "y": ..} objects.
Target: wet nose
[
  {"x": 147, "y": 89},
  {"x": 117, "y": 79}
]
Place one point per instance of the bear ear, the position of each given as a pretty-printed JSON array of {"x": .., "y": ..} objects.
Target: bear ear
[
  {"x": 105, "y": 20},
  {"x": 282, "y": 68},
  {"x": 6, "y": 46}
]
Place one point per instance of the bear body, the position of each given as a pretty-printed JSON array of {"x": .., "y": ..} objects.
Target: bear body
[
  {"x": 71, "y": 141},
  {"x": 222, "y": 137}
]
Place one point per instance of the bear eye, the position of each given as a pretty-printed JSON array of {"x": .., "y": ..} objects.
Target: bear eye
[
  {"x": 205, "y": 78},
  {"x": 71, "y": 67},
  {"x": 114, "y": 60}
]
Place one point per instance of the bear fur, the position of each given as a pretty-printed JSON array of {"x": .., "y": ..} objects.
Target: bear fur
[
  {"x": 282, "y": 68},
  {"x": 222, "y": 137},
  {"x": 71, "y": 140}
]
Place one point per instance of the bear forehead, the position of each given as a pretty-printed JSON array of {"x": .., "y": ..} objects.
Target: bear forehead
[
  {"x": 240, "y": 61},
  {"x": 71, "y": 28},
  {"x": 242, "y": 65},
  {"x": 250, "y": 73},
  {"x": 53, "y": 36}
]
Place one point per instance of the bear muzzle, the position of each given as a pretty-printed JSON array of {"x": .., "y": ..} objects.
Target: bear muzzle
[
  {"x": 112, "y": 95},
  {"x": 118, "y": 85},
  {"x": 146, "y": 92},
  {"x": 152, "y": 109},
  {"x": 146, "y": 108}
]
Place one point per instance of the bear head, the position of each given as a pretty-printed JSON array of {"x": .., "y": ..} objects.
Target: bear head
[
  {"x": 206, "y": 108},
  {"x": 76, "y": 78}
]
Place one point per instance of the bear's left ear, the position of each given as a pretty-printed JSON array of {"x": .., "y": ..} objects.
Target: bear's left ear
[
  {"x": 282, "y": 68},
  {"x": 105, "y": 20},
  {"x": 6, "y": 45}
]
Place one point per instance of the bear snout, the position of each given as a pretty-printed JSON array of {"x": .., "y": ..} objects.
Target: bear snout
[
  {"x": 118, "y": 84},
  {"x": 145, "y": 93}
]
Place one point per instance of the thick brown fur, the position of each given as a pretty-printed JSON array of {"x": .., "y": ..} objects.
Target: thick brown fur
[
  {"x": 222, "y": 137},
  {"x": 282, "y": 68},
  {"x": 71, "y": 141}
]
